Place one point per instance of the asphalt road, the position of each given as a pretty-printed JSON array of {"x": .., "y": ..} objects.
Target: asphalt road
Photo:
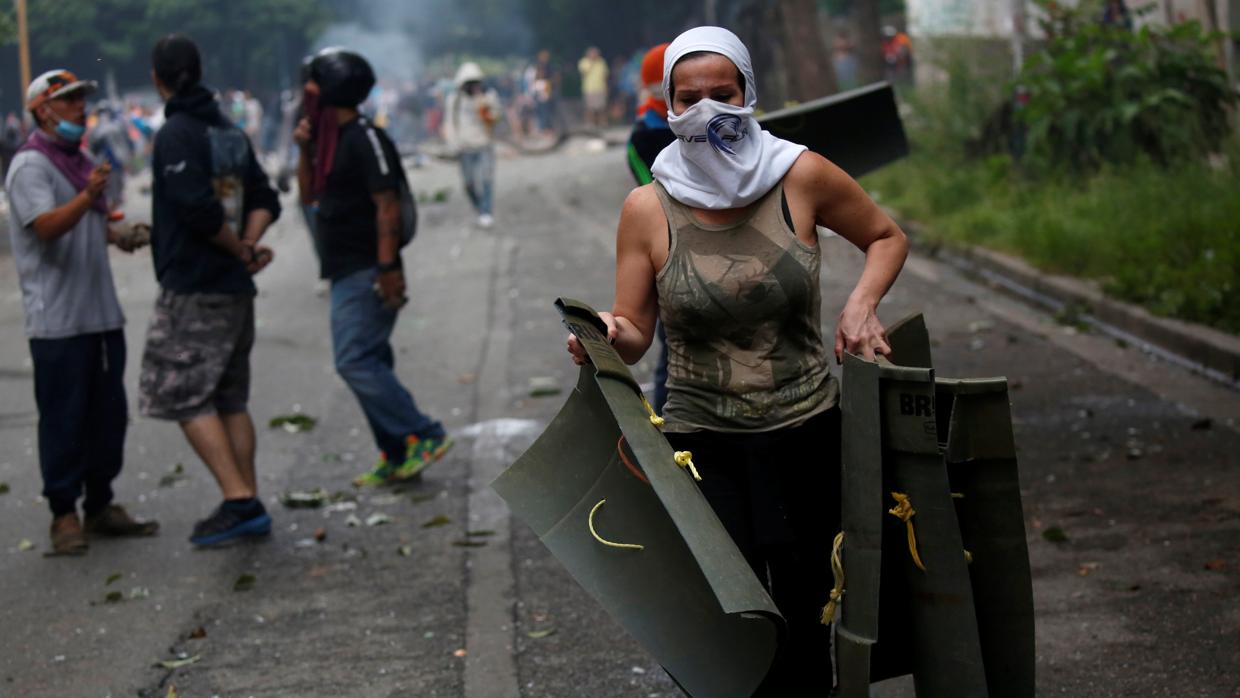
[{"x": 1115, "y": 450}]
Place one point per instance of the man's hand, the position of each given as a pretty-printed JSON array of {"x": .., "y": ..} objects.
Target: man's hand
[
  {"x": 98, "y": 180},
  {"x": 304, "y": 133},
  {"x": 391, "y": 288},
  {"x": 256, "y": 257}
]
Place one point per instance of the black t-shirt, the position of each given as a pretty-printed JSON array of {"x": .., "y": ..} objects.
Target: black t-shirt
[{"x": 366, "y": 163}]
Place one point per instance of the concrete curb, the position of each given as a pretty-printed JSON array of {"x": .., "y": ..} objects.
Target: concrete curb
[{"x": 1202, "y": 349}]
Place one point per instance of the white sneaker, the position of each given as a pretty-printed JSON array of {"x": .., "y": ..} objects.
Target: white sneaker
[{"x": 486, "y": 220}]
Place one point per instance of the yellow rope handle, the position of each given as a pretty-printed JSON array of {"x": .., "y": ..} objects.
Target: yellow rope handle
[
  {"x": 685, "y": 460},
  {"x": 655, "y": 419},
  {"x": 597, "y": 537},
  {"x": 837, "y": 571},
  {"x": 904, "y": 511}
]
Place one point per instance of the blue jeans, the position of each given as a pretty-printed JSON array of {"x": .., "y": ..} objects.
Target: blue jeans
[
  {"x": 478, "y": 171},
  {"x": 361, "y": 330}
]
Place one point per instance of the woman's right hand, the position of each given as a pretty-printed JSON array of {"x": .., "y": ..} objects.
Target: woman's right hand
[{"x": 578, "y": 351}]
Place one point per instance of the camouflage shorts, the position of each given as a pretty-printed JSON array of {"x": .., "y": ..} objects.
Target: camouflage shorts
[{"x": 197, "y": 356}]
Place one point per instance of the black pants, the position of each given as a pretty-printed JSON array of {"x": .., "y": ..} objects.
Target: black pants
[
  {"x": 80, "y": 391},
  {"x": 778, "y": 496}
]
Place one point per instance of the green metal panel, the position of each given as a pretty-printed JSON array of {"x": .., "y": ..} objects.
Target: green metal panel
[
  {"x": 910, "y": 342},
  {"x": 862, "y": 516},
  {"x": 688, "y": 596},
  {"x": 981, "y": 462}
]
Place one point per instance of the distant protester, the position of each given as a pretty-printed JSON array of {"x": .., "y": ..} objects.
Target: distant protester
[
  {"x": 211, "y": 205},
  {"x": 594, "y": 72},
  {"x": 469, "y": 128},
  {"x": 352, "y": 169},
  {"x": 59, "y": 228}
]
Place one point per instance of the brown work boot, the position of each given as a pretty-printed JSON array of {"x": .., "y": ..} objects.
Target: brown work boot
[
  {"x": 115, "y": 521},
  {"x": 67, "y": 536}
]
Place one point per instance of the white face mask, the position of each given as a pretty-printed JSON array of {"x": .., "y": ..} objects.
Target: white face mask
[
  {"x": 721, "y": 157},
  {"x": 715, "y": 132}
]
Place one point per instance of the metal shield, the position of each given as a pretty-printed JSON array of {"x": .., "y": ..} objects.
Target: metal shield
[{"x": 687, "y": 595}]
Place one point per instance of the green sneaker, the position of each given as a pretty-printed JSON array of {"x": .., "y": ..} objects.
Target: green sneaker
[
  {"x": 420, "y": 453},
  {"x": 381, "y": 474}
]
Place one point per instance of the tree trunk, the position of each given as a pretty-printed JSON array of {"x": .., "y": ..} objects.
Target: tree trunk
[
  {"x": 811, "y": 73},
  {"x": 871, "y": 67}
]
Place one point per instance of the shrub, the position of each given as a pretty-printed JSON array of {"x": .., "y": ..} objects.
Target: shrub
[{"x": 1104, "y": 94}]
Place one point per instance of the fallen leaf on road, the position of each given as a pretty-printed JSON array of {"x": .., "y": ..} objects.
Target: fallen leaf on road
[
  {"x": 1055, "y": 534},
  {"x": 981, "y": 326},
  {"x": 539, "y": 634},
  {"x": 114, "y": 597},
  {"x": 419, "y": 498},
  {"x": 293, "y": 423},
  {"x": 173, "y": 477},
  {"x": 320, "y": 534},
  {"x": 113, "y": 577},
  {"x": 24, "y": 544},
  {"x": 378, "y": 519},
  {"x": 352, "y": 521},
  {"x": 466, "y": 378},
  {"x": 1087, "y": 568},
  {"x": 1216, "y": 565},
  {"x": 172, "y": 692},
  {"x": 178, "y": 663},
  {"x": 459, "y": 653},
  {"x": 304, "y": 499},
  {"x": 469, "y": 543},
  {"x": 542, "y": 386},
  {"x": 245, "y": 582},
  {"x": 479, "y": 534},
  {"x": 405, "y": 550},
  {"x": 440, "y": 520},
  {"x": 4, "y": 488},
  {"x": 198, "y": 633}
]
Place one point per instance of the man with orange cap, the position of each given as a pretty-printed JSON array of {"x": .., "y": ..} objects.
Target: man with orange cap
[{"x": 650, "y": 135}]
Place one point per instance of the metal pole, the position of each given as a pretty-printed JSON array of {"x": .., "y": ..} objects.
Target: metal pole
[
  {"x": 23, "y": 44},
  {"x": 1018, "y": 34}
]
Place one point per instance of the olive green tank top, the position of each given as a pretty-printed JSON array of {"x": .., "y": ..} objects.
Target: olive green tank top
[{"x": 740, "y": 304}]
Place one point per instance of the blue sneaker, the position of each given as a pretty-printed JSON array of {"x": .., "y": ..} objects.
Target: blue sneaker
[{"x": 226, "y": 524}]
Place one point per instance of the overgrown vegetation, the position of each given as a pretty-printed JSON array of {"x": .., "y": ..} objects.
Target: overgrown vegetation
[
  {"x": 1141, "y": 195},
  {"x": 1101, "y": 93}
]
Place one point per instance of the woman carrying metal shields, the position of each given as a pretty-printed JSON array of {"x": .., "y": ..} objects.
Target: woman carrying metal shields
[{"x": 723, "y": 248}]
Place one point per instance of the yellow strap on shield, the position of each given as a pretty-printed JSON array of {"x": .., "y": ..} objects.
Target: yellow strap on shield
[
  {"x": 837, "y": 570},
  {"x": 655, "y": 419},
  {"x": 685, "y": 460},
  {"x": 904, "y": 511},
  {"x": 597, "y": 537}
]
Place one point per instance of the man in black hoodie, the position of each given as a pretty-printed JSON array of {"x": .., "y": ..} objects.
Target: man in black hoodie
[{"x": 212, "y": 204}]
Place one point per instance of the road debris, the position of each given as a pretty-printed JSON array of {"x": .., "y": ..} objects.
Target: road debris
[
  {"x": 174, "y": 476},
  {"x": 245, "y": 582},
  {"x": 304, "y": 499},
  {"x": 182, "y": 660},
  {"x": 293, "y": 423},
  {"x": 440, "y": 520}
]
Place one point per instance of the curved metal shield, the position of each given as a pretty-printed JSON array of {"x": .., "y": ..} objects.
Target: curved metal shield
[{"x": 640, "y": 537}]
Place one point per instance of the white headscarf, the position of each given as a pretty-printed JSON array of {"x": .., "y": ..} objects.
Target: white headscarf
[{"x": 721, "y": 157}]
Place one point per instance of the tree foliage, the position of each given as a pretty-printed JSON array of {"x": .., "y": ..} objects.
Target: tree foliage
[
  {"x": 1102, "y": 94},
  {"x": 256, "y": 44}
]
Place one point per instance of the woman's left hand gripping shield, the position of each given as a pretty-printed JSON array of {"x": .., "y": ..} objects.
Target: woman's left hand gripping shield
[{"x": 619, "y": 509}]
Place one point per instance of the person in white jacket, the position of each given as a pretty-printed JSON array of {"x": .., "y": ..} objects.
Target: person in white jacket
[{"x": 469, "y": 124}]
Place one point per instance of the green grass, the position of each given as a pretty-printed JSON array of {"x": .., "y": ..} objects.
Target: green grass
[{"x": 1168, "y": 240}]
